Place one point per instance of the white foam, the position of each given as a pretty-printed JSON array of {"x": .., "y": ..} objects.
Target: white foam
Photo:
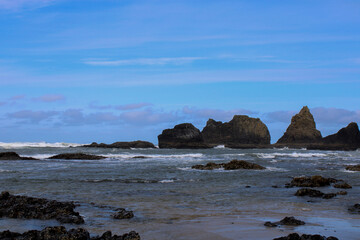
[
  {"x": 37, "y": 145},
  {"x": 132, "y": 155},
  {"x": 275, "y": 169},
  {"x": 166, "y": 181},
  {"x": 219, "y": 146},
  {"x": 293, "y": 155}
]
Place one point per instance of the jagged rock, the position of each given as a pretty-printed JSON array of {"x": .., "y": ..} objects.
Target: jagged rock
[
  {"x": 60, "y": 233},
  {"x": 232, "y": 165},
  {"x": 240, "y": 130},
  {"x": 314, "y": 193},
  {"x": 353, "y": 167},
  {"x": 295, "y": 236},
  {"x": 37, "y": 208},
  {"x": 349, "y": 135},
  {"x": 76, "y": 156},
  {"x": 313, "y": 181},
  {"x": 289, "y": 221},
  {"x": 302, "y": 129},
  {"x": 355, "y": 209},
  {"x": 123, "y": 145},
  {"x": 184, "y": 135},
  {"x": 13, "y": 156},
  {"x": 123, "y": 214}
]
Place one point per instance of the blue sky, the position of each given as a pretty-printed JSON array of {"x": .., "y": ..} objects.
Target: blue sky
[{"x": 120, "y": 70}]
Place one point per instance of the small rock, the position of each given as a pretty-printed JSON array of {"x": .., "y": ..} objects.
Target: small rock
[
  {"x": 355, "y": 209},
  {"x": 353, "y": 167},
  {"x": 314, "y": 193},
  {"x": 76, "y": 156},
  {"x": 295, "y": 236},
  {"x": 342, "y": 193},
  {"x": 342, "y": 185},
  {"x": 123, "y": 214}
]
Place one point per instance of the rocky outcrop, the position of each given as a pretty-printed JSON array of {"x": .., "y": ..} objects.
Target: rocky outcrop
[
  {"x": 76, "y": 156},
  {"x": 314, "y": 193},
  {"x": 60, "y": 232},
  {"x": 122, "y": 213},
  {"x": 13, "y": 156},
  {"x": 353, "y": 167},
  {"x": 37, "y": 208},
  {"x": 347, "y": 138},
  {"x": 295, "y": 236},
  {"x": 232, "y": 165},
  {"x": 240, "y": 131},
  {"x": 289, "y": 221},
  {"x": 123, "y": 145},
  {"x": 313, "y": 181},
  {"x": 302, "y": 130},
  {"x": 184, "y": 135}
]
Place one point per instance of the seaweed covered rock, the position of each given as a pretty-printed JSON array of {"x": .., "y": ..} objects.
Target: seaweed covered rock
[
  {"x": 184, "y": 135},
  {"x": 122, "y": 145},
  {"x": 60, "y": 232},
  {"x": 353, "y": 167},
  {"x": 122, "y": 213},
  {"x": 12, "y": 206},
  {"x": 232, "y": 165},
  {"x": 76, "y": 156},
  {"x": 13, "y": 156},
  {"x": 240, "y": 130},
  {"x": 314, "y": 193},
  {"x": 302, "y": 130}
]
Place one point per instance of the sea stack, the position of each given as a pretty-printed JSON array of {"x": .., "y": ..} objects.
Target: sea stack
[
  {"x": 184, "y": 135},
  {"x": 241, "y": 130},
  {"x": 302, "y": 130}
]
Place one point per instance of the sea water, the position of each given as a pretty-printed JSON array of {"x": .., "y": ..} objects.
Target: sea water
[{"x": 171, "y": 200}]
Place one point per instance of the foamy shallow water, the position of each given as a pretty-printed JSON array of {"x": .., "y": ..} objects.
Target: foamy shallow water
[{"x": 172, "y": 201}]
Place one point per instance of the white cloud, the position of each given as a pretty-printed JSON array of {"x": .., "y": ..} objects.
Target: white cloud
[{"x": 144, "y": 61}]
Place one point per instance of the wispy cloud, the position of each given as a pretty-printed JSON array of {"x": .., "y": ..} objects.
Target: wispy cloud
[
  {"x": 125, "y": 107},
  {"x": 144, "y": 61},
  {"x": 50, "y": 98},
  {"x": 33, "y": 116},
  {"x": 23, "y": 4}
]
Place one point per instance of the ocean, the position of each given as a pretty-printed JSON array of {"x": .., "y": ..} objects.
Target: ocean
[{"x": 170, "y": 200}]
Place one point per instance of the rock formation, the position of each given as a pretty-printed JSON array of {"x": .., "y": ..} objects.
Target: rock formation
[
  {"x": 241, "y": 130},
  {"x": 289, "y": 221},
  {"x": 295, "y": 236},
  {"x": 37, "y": 208},
  {"x": 184, "y": 135},
  {"x": 124, "y": 145},
  {"x": 232, "y": 165},
  {"x": 302, "y": 130},
  {"x": 13, "y": 156}
]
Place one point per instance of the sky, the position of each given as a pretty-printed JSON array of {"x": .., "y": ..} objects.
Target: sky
[{"x": 121, "y": 70}]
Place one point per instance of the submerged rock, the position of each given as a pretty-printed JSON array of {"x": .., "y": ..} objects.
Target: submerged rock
[
  {"x": 355, "y": 209},
  {"x": 60, "y": 232},
  {"x": 289, "y": 221},
  {"x": 295, "y": 236},
  {"x": 123, "y": 145},
  {"x": 76, "y": 156},
  {"x": 302, "y": 130},
  {"x": 13, "y": 156},
  {"x": 241, "y": 130},
  {"x": 123, "y": 214},
  {"x": 232, "y": 165},
  {"x": 343, "y": 185},
  {"x": 314, "y": 193},
  {"x": 313, "y": 181},
  {"x": 184, "y": 135},
  {"x": 353, "y": 167},
  {"x": 38, "y": 208}
]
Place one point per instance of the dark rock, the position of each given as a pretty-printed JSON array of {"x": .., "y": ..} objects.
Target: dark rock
[
  {"x": 341, "y": 193},
  {"x": 302, "y": 130},
  {"x": 355, "y": 209},
  {"x": 342, "y": 185},
  {"x": 60, "y": 233},
  {"x": 123, "y": 145},
  {"x": 76, "y": 156},
  {"x": 353, "y": 167},
  {"x": 232, "y": 165},
  {"x": 241, "y": 164},
  {"x": 314, "y": 193},
  {"x": 291, "y": 221},
  {"x": 13, "y": 156},
  {"x": 349, "y": 135},
  {"x": 295, "y": 236},
  {"x": 313, "y": 181},
  {"x": 123, "y": 214},
  {"x": 240, "y": 130},
  {"x": 37, "y": 208},
  {"x": 184, "y": 135},
  {"x": 140, "y": 157}
]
